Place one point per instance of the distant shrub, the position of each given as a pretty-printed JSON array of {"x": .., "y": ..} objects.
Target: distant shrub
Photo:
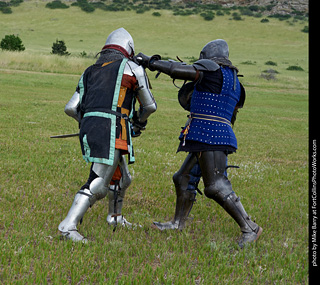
[
  {"x": 280, "y": 17},
  {"x": 254, "y": 8},
  {"x": 220, "y": 13},
  {"x": 305, "y": 29},
  {"x": 59, "y": 48},
  {"x": 265, "y": 20},
  {"x": 15, "y": 3},
  {"x": 156, "y": 14},
  {"x": 140, "y": 9},
  {"x": 5, "y": 7},
  {"x": 295, "y": 68},
  {"x": 12, "y": 43},
  {"x": 212, "y": 6},
  {"x": 270, "y": 63},
  {"x": 57, "y": 4},
  {"x": 270, "y": 7},
  {"x": 246, "y": 12},
  {"x": 257, "y": 15},
  {"x": 99, "y": 5},
  {"x": 208, "y": 16},
  {"x": 248, "y": 62},
  {"x": 6, "y": 10},
  {"x": 236, "y": 16},
  {"x": 88, "y": 8},
  {"x": 112, "y": 7},
  {"x": 183, "y": 12},
  {"x": 84, "y": 5},
  {"x": 83, "y": 54}
]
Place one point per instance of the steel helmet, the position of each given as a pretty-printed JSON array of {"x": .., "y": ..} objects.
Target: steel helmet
[
  {"x": 216, "y": 48},
  {"x": 120, "y": 40}
]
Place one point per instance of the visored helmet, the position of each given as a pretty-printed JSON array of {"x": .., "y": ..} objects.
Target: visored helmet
[
  {"x": 120, "y": 40},
  {"x": 216, "y": 48}
]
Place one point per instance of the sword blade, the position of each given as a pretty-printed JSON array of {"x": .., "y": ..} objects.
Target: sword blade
[{"x": 64, "y": 136}]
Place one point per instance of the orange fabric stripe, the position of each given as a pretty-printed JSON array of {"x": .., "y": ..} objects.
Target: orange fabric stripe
[
  {"x": 116, "y": 176},
  {"x": 121, "y": 144},
  {"x": 122, "y": 95},
  {"x": 106, "y": 63}
]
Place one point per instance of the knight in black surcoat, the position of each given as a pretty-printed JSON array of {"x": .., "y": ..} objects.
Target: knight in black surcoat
[
  {"x": 213, "y": 98},
  {"x": 104, "y": 105}
]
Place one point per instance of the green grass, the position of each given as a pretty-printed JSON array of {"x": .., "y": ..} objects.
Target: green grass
[{"x": 40, "y": 176}]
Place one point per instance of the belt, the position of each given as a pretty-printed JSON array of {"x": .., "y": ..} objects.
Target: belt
[
  {"x": 103, "y": 110},
  {"x": 210, "y": 118}
]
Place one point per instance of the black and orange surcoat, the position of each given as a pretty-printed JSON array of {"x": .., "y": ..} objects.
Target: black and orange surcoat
[{"x": 107, "y": 96}]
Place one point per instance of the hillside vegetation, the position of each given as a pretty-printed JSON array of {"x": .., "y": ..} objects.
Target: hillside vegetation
[{"x": 168, "y": 35}]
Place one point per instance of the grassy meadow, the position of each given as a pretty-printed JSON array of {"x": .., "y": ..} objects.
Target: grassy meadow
[{"x": 40, "y": 176}]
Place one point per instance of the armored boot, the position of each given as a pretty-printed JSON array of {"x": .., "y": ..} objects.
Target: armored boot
[
  {"x": 116, "y": 197},
  {"x": 68, "y": 227},
  {"x": 250, "y": 230},
  {"x": 184, "y": 203}
]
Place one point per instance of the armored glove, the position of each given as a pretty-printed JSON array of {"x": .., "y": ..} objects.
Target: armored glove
[
  {"x": 145, "y": 60},
  {"x": 137, "y": 126}
]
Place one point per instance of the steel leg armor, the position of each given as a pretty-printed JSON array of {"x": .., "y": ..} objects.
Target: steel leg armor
[
  {"x": 116, "y": 195},
  {"x": 185, "y": 197},
  {"x": 95, "y": 189},
  {"x": 68, "y": 227},
  {"x": 218, "y": 188}
]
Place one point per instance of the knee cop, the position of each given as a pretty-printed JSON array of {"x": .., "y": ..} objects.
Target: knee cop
[
  {"x": 95, "y": 188},
  {"x": 219, "y": 189}
]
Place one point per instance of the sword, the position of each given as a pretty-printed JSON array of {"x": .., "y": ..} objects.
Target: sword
[{"x": 64, "y": 136}]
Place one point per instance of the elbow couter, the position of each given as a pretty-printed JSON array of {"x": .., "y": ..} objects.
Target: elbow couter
[
  {"x": 71, "y": 108},
  {"x": 70, "y": 112},
  {"x": 151, "y": 108},
  {"x": 147, "y": 111}
]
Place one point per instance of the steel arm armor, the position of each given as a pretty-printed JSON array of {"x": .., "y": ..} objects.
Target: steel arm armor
[
  {"x": 180, "y": 70},
  {"x": 72, "y": 107},
  {"x": 147, "y": 102},
  {"x": 176, "y": 70}
]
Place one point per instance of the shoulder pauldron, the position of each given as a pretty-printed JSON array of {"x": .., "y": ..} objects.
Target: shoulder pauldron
[{"x": 206, "y": 65}]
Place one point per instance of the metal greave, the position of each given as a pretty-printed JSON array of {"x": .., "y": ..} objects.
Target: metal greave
[
  {"x": 218, "y": 188},
  {"x": 116, "y": 194},
  {"x": 95, "y": 189},
  {"x": 185, "y": 200},
  {"x": 115, "y": 203},
  {"x": 235, "y": 209},
  {"x": 80, "y": 205}
]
